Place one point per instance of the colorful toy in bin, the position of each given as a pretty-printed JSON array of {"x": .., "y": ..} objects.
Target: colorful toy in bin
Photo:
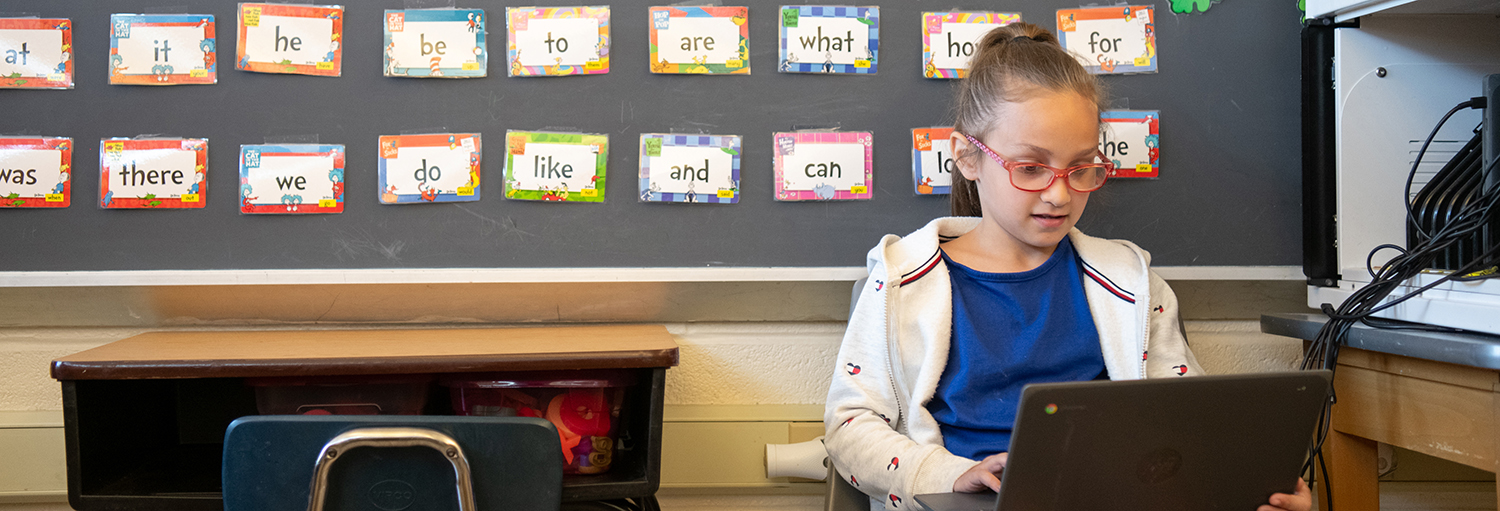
[{"x": 585, "y": 408}]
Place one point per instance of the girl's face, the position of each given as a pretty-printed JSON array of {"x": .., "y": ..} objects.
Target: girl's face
[{"x": 1054, "y": 128}]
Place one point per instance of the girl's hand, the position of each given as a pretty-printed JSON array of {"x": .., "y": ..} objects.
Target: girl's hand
[
  {"x": 1301, "y": 501},
  {"x": 986, "y": 475}
]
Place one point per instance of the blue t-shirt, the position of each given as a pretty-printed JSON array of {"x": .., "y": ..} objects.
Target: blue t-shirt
[{"x": 1011, "y": 329}]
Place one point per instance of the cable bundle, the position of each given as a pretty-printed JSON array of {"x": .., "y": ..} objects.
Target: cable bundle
[{"x": 1464, "y": 224}]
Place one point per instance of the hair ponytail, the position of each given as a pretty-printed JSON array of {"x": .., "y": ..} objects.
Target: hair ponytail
[{"x": 1010, "y": 64}]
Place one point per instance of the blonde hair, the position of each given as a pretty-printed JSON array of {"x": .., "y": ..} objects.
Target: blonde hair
[{"x": 1011, "y": 64}]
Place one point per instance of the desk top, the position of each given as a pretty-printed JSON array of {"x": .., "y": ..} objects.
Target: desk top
[
  {"x": 1470, "y": 349},
  {"x": 240, "y": 354}
]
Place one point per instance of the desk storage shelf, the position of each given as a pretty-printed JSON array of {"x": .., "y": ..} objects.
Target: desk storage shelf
[{"x": 144, "y": 417}]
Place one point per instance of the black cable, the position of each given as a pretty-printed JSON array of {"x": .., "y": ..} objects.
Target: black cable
[
  {"x": 1471, "y": 218},
  {"x": 1405, "y": 199}
]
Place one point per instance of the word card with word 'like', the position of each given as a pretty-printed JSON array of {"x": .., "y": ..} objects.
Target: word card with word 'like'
[{"x": 555, "y": 167}]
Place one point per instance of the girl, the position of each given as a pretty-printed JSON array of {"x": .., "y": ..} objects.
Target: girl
[{"x": 958, "y": 316}]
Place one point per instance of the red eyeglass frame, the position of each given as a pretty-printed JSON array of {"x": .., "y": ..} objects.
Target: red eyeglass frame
[{"x": 1009, "y": 166}]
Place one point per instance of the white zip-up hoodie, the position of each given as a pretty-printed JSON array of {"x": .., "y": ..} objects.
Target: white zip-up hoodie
[{"x": 879, "y": 433}]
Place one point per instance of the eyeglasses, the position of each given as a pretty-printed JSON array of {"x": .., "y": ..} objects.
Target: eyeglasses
[{"x": 1035, "y": 177}]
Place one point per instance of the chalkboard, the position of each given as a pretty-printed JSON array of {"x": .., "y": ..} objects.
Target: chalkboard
[{"x": 1227, "y": 91}]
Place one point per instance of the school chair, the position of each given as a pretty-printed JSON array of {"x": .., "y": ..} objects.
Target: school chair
[
  {"x": 389, "y": 462},
  {"x": 843, "y": 496}
]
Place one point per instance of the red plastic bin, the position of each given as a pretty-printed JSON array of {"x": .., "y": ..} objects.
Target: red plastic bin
[
  {"x": 585, "y": 407},
  {"x": 342, "y": 395}
]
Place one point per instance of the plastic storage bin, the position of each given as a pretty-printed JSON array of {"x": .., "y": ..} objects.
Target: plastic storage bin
[
  {"x": 342, "y": 395},
  {"x": 585, "y": 407}
]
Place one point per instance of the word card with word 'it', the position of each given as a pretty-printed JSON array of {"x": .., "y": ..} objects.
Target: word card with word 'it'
[
  {"x": 435, "y": 43},
  {"x": 153, "y": 173},
  {"x": 829, "y": 39},
  {"x": 162, "y": 49},
  {"x": 1131, "y": 139},
  {"x": 950, "y": 39},
  {"x": 35, "y": 172},
  {"x": 291, "y": 39},
  {"x": 824, "y": 165},
  {"x": 700, "y": 40},
  {"x": 932, "y": 164},
  {"x": 557, "y": 41},
  {"x": 441, "y": 167},
  {"x": 1110, "y": 40},
  {"x": 690, "y": 168},
  {"x": 36, "y": 53},
  {"x": 292, "y": 178},
  {"x": 555, "y": 167}
]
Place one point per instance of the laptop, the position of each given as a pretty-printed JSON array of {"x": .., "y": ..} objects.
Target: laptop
[{"x": 1205, "y": 442}]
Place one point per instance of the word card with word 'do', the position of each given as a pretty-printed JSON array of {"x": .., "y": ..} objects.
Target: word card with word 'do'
[
  {"x": 162, "y": 49},
  {"x": 700, "y": 40},
  {"x": 555, "y": 167},
  {"x": 153, "y": 173},
  {"x": 442, "y": 167},
  {"x": 36, "y": 53},
  {"x": 824, "y": 165},
  {"x": 690, "y": 168},
  {"x": 950, "y": 39},
  {"x": 829, "y": 39},
  {"x": 557, "y": 41},
  {"x": 1110, "y": 40},
  {"x": 435, "y": 43},
  {"x": 932, "y": 164},
  {"x": 292, "y": 178},
  {"x": 291, "y": 39},
  {"x": 1131, "y": 139},
  {"x": 34, "y": 172}
]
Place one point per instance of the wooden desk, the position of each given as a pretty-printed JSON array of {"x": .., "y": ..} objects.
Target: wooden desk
[
  {"x": 1445, "y": 409},
  {"x": 144, "y": 417}
]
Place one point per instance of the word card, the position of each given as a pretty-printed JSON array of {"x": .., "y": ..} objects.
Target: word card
[
  {"x": 824, "y": 165},
  {"x": 950, "y": 39},
  {"x": 555, "y": 167},
  {"x": 700, "y": 40},
  {"x": 291, "y": 39},
  {"x": 435, "y": 43},
  {"x": 292, "y": 178},
  {"x": 162, "y": 49},
  {"x": 36, "y": 53},
  {"x": 819, "y": 39},
  {"x": 932, "y": 164},
  {"x": 690, "y": 168},
  {"x": 557, "y": 41},
  {"x": 35, "y": 172},
  {"x": 442, "y": 167},
  {"x": 1131, "y": 140},
  {"x": 1110, "y": 40},
  {"x": 153, "y": 173}
]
